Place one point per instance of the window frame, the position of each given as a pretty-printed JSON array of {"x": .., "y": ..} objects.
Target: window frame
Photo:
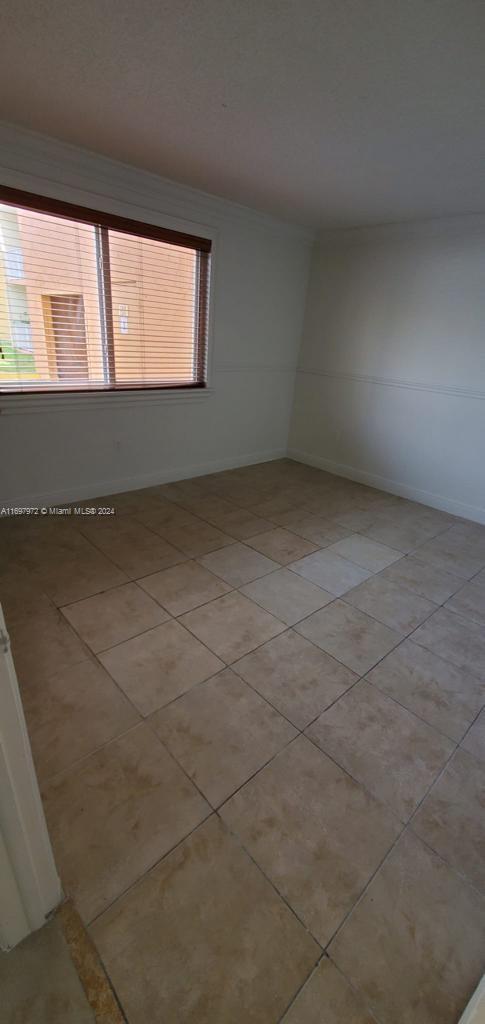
[{"x": 102, "y": 222}]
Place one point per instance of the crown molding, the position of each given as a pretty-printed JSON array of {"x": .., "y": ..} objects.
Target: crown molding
[
  {"x": 402, "y": 231},
  {"x": 61, "y": 166}
]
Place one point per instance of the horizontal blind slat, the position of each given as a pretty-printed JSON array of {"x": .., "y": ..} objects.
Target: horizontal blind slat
[{"x": 93, "y": 305}]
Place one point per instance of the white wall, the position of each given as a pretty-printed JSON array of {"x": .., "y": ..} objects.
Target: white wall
[
  {"x": 391, "y": 382},
  {"x": 58, "y": 449}
]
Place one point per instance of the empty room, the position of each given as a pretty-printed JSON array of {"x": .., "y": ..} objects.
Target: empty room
[{"x": 242, "y": 512}]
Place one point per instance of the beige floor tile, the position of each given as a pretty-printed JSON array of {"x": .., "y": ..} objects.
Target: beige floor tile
[
  {"x": 282, "y": 545},
  {"x": 329, "y": 506},
  {"x": 159, "y": 665},
  {"x": 210, "y": 508},
  {"x": 240, "y": 956},
  {"x": 452, "y": 821},
  {"x": 405, "y": 535},
  {"x": 39, "y": 983},
  {"x": 327, "y": 998},
  {"x": 72, "y": 713},
  {"x": 446, "y": 697},
  {"x": 356, "y": 519},
  {"x": 131, "y": 546},
  {"x": 245, "y": 496},
  {"x": 458, "y": 640},
  {"x": 114, "y": 815},
  {"x": 238, "y": 564},
  {"x": 184, "y": 587},
  {"x": 20, "y": 596},
  {"x": 424, "y": 579},
  {"x": 383, "y": 746},
  {"x": 470, "y": 601},
  {"x": 221, "y": 733},
  {"x": 287, "y": 595},
  {"x": 369, "y": 554},
  {"x": 275, "y": 506},
  {"x": 319, "y": 853},
  {"x": 414, "y": 944},
  {"x": 118, "y": 614},
  {"x": 349, "y": 635},
  {"x": 396, "y": 607},
  {"x": 241, "y": 524},
  {"x": 197, "y": 538},
  {"x": 183, "y": 491},
  {"x": 474, "y": 740},
  {"x": 71, "y": 575},
  {"x": 167, "y": 517},
  {"x": 232, "y": 626},
  {"x": 127, "y": 503},
  {"x": 330, "y": 571},
  {"x": 321, "y": 532},
  {"x": 294, "y": 514},
  {"x": 295, "y": 676},
  {"x": 455, "y": 552},
  {"x": 43, "y": 645}
]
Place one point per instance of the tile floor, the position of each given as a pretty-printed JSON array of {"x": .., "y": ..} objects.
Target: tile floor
[{"x": 255, "y": 706}]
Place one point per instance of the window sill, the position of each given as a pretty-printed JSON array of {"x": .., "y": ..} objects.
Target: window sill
[{"x": 27, "y": 404}]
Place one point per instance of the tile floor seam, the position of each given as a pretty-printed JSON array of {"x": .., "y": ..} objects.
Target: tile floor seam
[
  {"x": 103, "y": 667},
  {"x": 366, "y": 887},
  {"x": 147, "y": 593},
  {"x": 159, "y": 536},
  {"x": 477, "y": 716},
  {"x": 361, "y": 675},
  {"x": 78, "y": 763},
  {"x": 454, "y": 664},
  {"x": 409, "y": 824},
  {"x": 480, "y": 893},
  {"x": 319, "y": 714},
  {"x": 301, "y": 987},
  {"x": 280, "y": 895},
  {"x": 178, "y": 763},
  {"x": 261, "y": 768},
  {"x": 391, "y": 696},
  {"x": 363, "y": 785},
  {"x": 99, "y": 551},
  {"x": 405, "y": 827},
  {"x": 89, "y": 924},
  {"x": 229, "y": 664},
  {"x": 358, "y": 992},
  {"x": 130, "y": 579},
  {"x": 451, "y": 867},
  {"x": 381, "y": 623},
  {"x": 407, "y": 588}
]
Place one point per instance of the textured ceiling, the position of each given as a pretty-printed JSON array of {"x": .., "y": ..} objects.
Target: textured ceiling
[{"x": 327, "y": 112}]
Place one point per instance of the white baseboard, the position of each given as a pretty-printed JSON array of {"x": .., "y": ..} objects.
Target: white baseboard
[
  {"x": 132, "y": 483},
  {"x": 456, "y": 508}
]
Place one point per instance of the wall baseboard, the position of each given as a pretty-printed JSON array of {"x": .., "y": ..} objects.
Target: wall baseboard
[
  {"x": 456, "y": 508},
  {"x": 132, "y": 483},
  {"x": 120, "y": 484}
]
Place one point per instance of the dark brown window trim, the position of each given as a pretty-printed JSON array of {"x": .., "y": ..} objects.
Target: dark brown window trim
[
  {"x": 102, "y": 222},
  {"x": 104, "y": 389},
  {"x": 56, "y": 207}
]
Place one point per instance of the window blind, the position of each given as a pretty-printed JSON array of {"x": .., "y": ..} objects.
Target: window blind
[{"x": 91, "y": 301}]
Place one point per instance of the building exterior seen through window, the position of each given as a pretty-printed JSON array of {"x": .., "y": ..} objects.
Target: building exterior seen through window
[{"x": 89, "y": 307}]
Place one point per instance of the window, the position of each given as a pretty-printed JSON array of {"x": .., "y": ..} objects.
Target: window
[{"x": 90, "y": 301}]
